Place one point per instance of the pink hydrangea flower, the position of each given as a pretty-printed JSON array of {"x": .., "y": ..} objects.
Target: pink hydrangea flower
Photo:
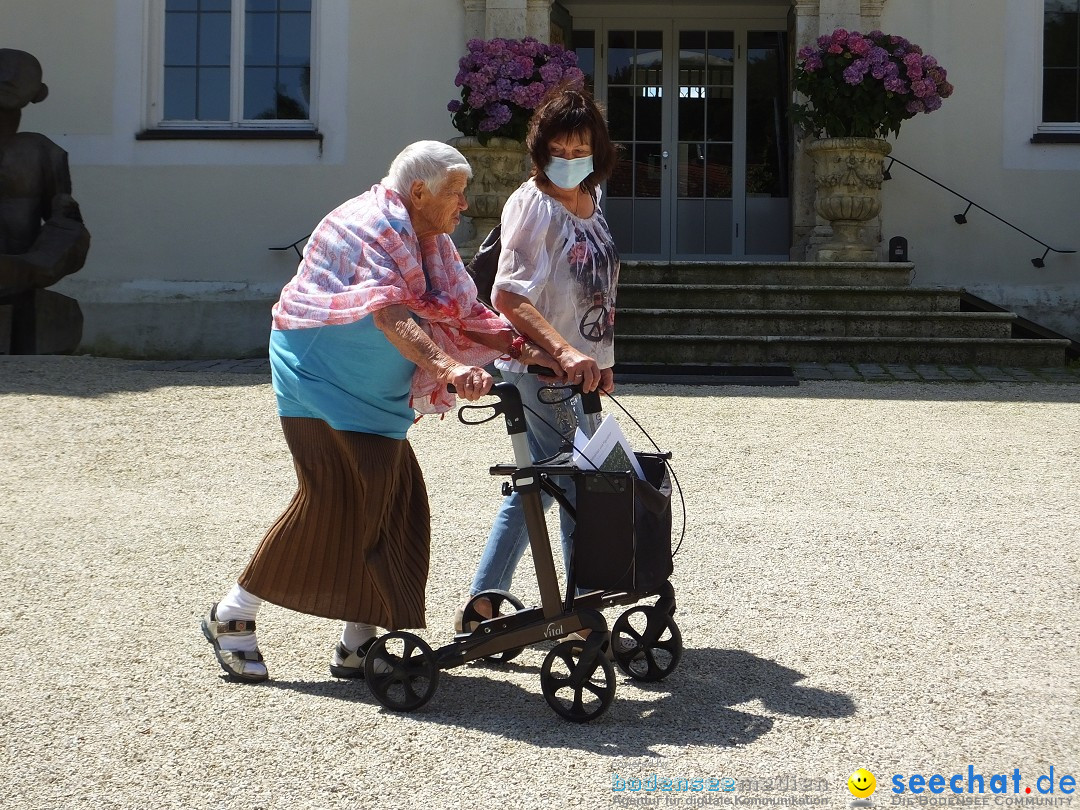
[
  {"x": 503, "y": 80},
  {"x": 845, "y": 74}
]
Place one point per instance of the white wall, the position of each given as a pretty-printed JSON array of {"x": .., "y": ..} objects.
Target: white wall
[
  {"x": 978, "y": 143},
  {"x": 179, "y": 264},
  {"x": 190, "y": 222}
]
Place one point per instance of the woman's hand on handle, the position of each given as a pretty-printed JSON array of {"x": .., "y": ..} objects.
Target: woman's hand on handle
[
  {"x": 533, "y": 355},
  {"x": 470, "y": 382},
  {"x": 579, "y": 368}
]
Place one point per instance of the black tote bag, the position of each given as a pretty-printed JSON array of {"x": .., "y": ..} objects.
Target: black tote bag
[{"x": 622, "y": 536}]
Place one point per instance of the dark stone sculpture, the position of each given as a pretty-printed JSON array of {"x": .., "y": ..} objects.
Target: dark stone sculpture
[{"x": 42, "y": 235}]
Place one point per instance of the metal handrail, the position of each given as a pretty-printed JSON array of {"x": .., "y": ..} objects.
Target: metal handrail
[
  {"x": 295, "y": 246},
  {"x": 961, "y": 219}
]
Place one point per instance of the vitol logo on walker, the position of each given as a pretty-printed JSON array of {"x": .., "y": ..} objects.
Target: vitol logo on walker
[{"x": 975, "y": 788}]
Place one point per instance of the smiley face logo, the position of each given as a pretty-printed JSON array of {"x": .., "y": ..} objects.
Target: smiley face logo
[{"x": 861, "y": 783}]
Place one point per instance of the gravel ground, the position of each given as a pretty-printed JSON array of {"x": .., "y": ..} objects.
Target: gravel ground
[{"x": 879, "y": 575}]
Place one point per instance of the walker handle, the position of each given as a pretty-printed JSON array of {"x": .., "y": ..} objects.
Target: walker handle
[
  {"x": 590, "y": 402},
  {"x": 509, "y": 405}
]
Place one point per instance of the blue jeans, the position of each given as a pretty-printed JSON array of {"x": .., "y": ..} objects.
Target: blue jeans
[{"x": 509, "y": 536}]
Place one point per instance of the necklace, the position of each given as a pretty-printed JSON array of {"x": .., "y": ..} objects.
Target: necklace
[
  {"x": 576, "y": 201},
  {"x": 581, "y": 205}
]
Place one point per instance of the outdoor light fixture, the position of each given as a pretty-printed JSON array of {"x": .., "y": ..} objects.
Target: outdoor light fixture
[{"x": 961, "y": 219}]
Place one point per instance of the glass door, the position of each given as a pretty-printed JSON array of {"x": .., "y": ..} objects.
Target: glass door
[
  {"x": 767, "y": 156},
  {"x": 700, "y": 113},
  {"x": 637, "y": 204},
  {"x": 704, "y": 137}
]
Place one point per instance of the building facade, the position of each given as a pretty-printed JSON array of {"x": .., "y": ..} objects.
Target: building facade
[{"x": 202, "y": 133}]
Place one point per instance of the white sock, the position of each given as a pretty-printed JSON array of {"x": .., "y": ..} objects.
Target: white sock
[
  {"x": 354, "y": 634},
  {"x": 238, "y": 604}
]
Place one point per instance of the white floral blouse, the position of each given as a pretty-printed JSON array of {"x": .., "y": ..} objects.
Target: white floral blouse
[{"x": 566, "y": 266}]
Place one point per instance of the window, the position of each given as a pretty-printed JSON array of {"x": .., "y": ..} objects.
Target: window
[
  {"x": 1061, "y": 65},
  {"x": 228, "y": 64}
]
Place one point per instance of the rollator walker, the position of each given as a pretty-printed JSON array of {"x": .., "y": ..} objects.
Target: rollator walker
[{"x": 621, "y": 553}]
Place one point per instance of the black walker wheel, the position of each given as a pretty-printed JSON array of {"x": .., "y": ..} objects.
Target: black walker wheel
[
  {"x": 499, "y": 600},
  {"x": 401, "y": 672},
  {"x": 575, "y": 689},
  {"x": 646, "y": 642}
]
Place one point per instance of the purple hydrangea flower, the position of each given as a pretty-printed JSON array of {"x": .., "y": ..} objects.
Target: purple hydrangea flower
[
  {"x": 896, "y": 85},
  {"x": 913, "y": 63},
  {"x": 845, "y": 73},
  {"x": 854, "y": 73},
  {"x": 504, "y": 80}
]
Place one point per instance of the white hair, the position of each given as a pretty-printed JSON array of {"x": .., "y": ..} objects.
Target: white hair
[{"x": 428, "y": 161}]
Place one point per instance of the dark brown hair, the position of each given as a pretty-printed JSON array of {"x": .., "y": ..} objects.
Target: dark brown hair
[{"x": 567, "y": 110}]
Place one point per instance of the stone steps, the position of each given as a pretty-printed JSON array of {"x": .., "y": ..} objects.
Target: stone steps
[
  {"x": 705, "y": 315},
  {"x": 812, "y": 274},
  {"x": 788, "y": 297},
  {"x": 703, "y": 350},
  {"x": 822, "y": 323}
]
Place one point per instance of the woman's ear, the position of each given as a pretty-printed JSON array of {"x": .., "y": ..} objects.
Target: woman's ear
[
  {"x": 42, "y": 94},
  {"x": 416, "y": 190}
]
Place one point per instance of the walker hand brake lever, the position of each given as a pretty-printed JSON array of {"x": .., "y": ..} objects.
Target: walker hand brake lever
[
  {"x": 509, "y": 405},
  {"x": 590, "y": 402}
]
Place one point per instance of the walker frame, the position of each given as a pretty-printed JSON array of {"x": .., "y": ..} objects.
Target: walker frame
[{"x": 577, "y": 677}]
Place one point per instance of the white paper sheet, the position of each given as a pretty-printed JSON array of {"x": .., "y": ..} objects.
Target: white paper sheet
[{"x": 607, "y": 450}]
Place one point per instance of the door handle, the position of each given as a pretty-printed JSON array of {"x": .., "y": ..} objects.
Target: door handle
[{"x": 665, "y": 154}]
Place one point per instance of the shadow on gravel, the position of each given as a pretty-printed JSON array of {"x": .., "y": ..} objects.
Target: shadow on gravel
[
  {"x": 82, "y": 376},
  {"x": 1063, "y": 390},
  {"x": 90, "y": 377},
  {"x": 695, "y": 703}
]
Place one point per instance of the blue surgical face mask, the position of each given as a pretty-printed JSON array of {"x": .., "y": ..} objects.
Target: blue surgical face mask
[{"x": 568, "y": 173}]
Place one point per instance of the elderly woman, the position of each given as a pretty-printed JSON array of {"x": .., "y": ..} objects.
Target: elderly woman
[
  {"x": 379, "y": 318},
  {"x": 556, "y": 283}
]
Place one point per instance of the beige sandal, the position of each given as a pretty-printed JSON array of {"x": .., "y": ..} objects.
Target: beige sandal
[
  {"x": 462, "y": 626},
  {"x": 245, "y": 666},
  {"x": 346, "y": 663}
]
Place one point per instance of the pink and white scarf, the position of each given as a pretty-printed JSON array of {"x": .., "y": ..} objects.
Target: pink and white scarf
[{"x": 364, "y": 256}]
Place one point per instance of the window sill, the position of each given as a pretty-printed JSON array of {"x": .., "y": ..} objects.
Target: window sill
[
  {"x": 1056, "y": 137},
  {"x": 185, "y": 134}
]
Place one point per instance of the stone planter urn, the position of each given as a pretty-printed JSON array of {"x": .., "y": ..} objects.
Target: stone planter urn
[
  {"x": 499, "y": 167},
  {"x": 848, "y": 176}
]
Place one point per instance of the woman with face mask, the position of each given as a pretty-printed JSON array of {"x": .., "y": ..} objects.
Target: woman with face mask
[{"x": 558, "y": 270}]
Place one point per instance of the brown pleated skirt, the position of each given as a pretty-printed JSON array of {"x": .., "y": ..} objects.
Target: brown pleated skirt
[{"x": 354, "y": 542}]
